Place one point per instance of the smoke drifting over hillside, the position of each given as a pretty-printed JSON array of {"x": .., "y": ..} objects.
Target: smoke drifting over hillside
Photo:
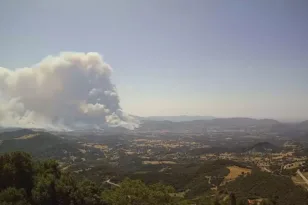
[{"x": 69, "y": 91}]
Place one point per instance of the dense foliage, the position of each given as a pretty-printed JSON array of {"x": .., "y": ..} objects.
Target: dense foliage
[
  {"x": 136, "y": 192},
  {"x": 43, "y": 145},
  {"x": 26, "y": 182},
  {"x": 277, "y": 189}
]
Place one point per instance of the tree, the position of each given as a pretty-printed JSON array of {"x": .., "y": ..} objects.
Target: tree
[
  {"x": 136, "y": 192},
  {"x": 44, "y": 191},
  {"x": 88, "y": 193},
  {"x": 16, "y": 170},
  {"x": 13, "y": 196},
  {"x": 279, "y": 189},
  {"x": 243, "y": 202},
  {"x": 205, "y": 200},
  {"x": 216, "y": 202},
  {"x": 25, "y": 182},
  {"x": 232, "y": 199}
]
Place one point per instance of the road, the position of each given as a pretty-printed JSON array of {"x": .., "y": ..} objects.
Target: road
[
  {"x": 266, "y": 169},
  {"x": 111, "y": 183},
  {"x": 302, "y": 176}
]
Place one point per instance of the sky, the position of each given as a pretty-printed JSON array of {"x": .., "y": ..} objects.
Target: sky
[{"x": 177, "y": 57}]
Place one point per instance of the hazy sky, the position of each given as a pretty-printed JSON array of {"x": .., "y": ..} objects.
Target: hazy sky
[{"x": 173, "y": 57}]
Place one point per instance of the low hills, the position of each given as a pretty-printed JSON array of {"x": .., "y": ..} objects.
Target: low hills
[
  {"x": 303, "y": 125},
  {"x": 11, "y": 134},
  {"x": 263, "y": 147},
  {"x": 262, "y": 185},
  {"x": 198, "y": 126},
  {"x": 180, "y": 118},
  {"x": 45, "y": 145}
]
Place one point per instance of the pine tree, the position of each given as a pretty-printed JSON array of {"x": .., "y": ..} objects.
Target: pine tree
[{"x": 232, "y": 199}]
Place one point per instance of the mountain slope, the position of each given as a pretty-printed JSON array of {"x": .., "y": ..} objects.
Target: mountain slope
[
  {"x": 279, "y": 189},
  {"x": 303, "y": 125},
  {"x": 46, "y": 145},
  {"x": 198, "y": 126},
  {"x": 179, "y": 118},
  {"x": 6, "y": 135}
]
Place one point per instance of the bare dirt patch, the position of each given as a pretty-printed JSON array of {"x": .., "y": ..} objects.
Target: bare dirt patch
[{"x": 236, "y": 171}]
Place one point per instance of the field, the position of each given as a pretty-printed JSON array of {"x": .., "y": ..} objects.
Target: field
[
  {"x": 293, "y": 165},
  {"x": 236, "y": 171},
  {"x": 158, "y": 162},
  {"x": 97, "y": 146}
]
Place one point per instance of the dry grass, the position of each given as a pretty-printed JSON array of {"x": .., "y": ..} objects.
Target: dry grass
[
  {"x": 65, "y": 168},
  {"x": 100, "y": 146},
  {"x": 158, "y": 162},
  {"x": 236, "y": 171},
  {"x": 27, "y": 136},
  {"x": 178, "y": 194},
  {"x": 293, "y": 165},
  {"x": 130, "y": 153},
  {"x": 97, "y": 146},
  {"x": 305, "y": 174},
  {"x": 299, "y": 181}
]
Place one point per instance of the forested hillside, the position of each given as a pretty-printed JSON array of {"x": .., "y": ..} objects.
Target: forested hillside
[
  {"x": 44, "y": 145},
  {"x": 145, "y": 171},
  {"x": 278, "y": 190},
  {"x": 26, "y": 182}
]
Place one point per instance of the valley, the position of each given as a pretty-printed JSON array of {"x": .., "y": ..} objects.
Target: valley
[{"x": 195, "y": 164}]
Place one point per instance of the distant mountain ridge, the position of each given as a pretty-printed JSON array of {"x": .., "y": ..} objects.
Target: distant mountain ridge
[
  {"x": 199, "y": 126},
  {"x": 179, "y": 118},
  {"x": 239, "y": 121},
  {"x": 303, "y": 125},
  {"x": 195, "y": 124}
]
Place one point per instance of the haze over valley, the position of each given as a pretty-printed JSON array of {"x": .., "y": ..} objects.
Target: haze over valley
[{"x": 131, "y": 102}]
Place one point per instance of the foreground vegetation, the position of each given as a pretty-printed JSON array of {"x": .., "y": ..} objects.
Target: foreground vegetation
[
  {"x": 276, "y": 189},
  {"x": 25, "y": 182}
]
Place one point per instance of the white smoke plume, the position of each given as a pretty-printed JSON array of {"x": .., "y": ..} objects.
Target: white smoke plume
[{"x": 69, "y": 91}]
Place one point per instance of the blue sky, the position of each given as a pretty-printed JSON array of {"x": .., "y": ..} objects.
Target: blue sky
[{"x": 221, "y": 58}]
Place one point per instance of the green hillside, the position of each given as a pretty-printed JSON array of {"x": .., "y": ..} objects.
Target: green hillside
[
  {"x": 44, "y": 145},
  {"x": 278, "y": 189},
  {"x": 27, "y": 182}
]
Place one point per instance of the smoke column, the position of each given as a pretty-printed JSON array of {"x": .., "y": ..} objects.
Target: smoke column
[{"x": 70, "y": 91}]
